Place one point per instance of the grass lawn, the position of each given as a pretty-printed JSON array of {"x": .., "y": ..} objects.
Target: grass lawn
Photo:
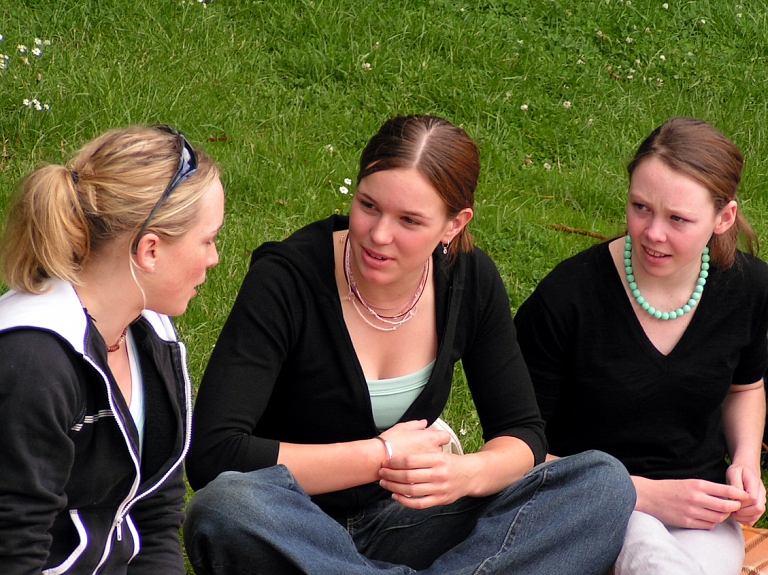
[{"x": 284, "y": 96}]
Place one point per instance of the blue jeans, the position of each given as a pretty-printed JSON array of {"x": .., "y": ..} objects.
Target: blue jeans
[{"x": 563, "y": 517}]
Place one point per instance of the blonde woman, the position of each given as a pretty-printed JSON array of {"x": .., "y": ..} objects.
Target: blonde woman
[{"x": 95, "y": 394}]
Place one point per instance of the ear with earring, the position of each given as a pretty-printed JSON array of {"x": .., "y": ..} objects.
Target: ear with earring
[{"x": 445, "y": 248}]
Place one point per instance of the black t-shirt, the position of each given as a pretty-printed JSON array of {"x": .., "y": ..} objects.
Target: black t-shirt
[{"x": 601, "y": 384}]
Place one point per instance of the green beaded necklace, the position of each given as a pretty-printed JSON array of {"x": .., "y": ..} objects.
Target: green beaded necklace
[{"x": 652, "y": 311}]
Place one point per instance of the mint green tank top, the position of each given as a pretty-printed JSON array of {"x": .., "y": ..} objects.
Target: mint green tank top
[{"x": 390, "y": 398}]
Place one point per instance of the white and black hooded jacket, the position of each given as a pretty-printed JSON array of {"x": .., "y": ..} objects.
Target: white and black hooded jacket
[{"x": 75, "y": 496}]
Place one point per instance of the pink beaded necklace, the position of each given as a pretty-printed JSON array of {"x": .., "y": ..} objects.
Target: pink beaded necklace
[{"x": 393, "y": 321}]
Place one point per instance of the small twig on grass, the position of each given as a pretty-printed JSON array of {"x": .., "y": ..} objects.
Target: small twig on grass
[{"x": 561, "y": 228}]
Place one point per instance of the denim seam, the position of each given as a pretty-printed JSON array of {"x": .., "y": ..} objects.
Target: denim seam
[
  {"x": 487, "y": 565},
  {"x": 430, "y": 517}
]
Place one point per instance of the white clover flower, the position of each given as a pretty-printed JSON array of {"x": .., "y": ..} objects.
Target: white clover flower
[
  {"x": 3, "y": 64},
  {"x": 629, "y": 3},
  {"x": 329, "y": 149},
  {"x": 702, "y": 21},
  {"x": 344, "y": 189},
  {"x": 567, "y": 105},
  {"x": 637, "y": 61},
  {"x": 547, "y": 166},
  {"x": 46, "y": 42},
  {"x": 663, "y": 58},
  {"x": 580, "y": 62},
  {"x": 665, "y": 6},
  {"x": 38, "y": 42},
  {"x": 367, "y": 67},
  {"x": 738, "y": 15},
  {"x": 348, "y": 181},
  {"x": 690, "y": 54},
  {"x": 462, "y": 431},
  {"x": 590, "y": 122},
  {"x": 524, "y": 107},
  {"x": 38, "y": 106},
  {"x": 629, "y": 40},
  {"x": 2, "y": 38},
  {"x": 46, "y": 107},
  {"x": 647, "y": 30},
  {"x": 520, "y": 42},
  {"x": 376, "y": 46},
  {"x": 27, "y": 103},
  {"x": 37, "y": 52},
  {"x": 22, "y": 48},
  {"x": 631, "y": 70}
]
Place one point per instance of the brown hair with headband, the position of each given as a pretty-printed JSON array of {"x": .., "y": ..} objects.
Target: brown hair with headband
[{"x": 443, "y": 153}]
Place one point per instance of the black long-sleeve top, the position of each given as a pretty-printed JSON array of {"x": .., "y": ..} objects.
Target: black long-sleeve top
[{"x": 284, "y": 368}]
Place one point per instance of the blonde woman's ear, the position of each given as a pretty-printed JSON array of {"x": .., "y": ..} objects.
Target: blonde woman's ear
[{"x": 147, "y": 251}]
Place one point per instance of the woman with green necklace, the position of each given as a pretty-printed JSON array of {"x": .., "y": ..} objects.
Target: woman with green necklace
[{"x": 652, "y": 347}]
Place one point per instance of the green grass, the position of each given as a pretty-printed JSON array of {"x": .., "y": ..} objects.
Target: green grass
[{"x": 266, "y": 87}]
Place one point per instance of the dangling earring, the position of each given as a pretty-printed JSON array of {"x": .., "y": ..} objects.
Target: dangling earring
[{"x": 445, "y": 248}]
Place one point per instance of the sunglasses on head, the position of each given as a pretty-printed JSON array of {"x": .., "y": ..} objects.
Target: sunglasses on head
[{"x": 187, "y": 167}]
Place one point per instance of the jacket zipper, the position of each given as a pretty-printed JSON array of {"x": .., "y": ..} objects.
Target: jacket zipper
[
  {"x": 128, "y": 502},
  {"x": 188, "y": 434}
]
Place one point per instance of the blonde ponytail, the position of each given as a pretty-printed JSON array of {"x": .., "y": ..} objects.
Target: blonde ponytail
[
  {"x": 46, "y": 234},
  {"x": 64, "y": 215}
]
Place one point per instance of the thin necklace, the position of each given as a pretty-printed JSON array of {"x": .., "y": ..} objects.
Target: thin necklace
[
  {"x": 652, "y": 311},
  {"x": 120, "y": 341},
  {"x": 394, "y": 321}
]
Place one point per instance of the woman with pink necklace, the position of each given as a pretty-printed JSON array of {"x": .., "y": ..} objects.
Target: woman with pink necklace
[{"x": 312, "y": 449}]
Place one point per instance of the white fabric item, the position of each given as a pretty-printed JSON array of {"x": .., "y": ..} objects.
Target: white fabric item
[
  {"x": 137, "y": 390},
  {"x": 653, "y": 548},
  {"x": 454, "y": 445}
]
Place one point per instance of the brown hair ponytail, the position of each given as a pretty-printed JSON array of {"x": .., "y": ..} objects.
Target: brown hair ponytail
[{"x": 701, "y": 152}]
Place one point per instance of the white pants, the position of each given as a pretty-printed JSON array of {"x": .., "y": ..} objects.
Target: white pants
[{"x": 653, "y": 548}]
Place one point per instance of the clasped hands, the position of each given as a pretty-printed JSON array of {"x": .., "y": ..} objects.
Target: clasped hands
[
  {"x": 700, "y": 504},
  {"x": 420, "y": 474}
]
